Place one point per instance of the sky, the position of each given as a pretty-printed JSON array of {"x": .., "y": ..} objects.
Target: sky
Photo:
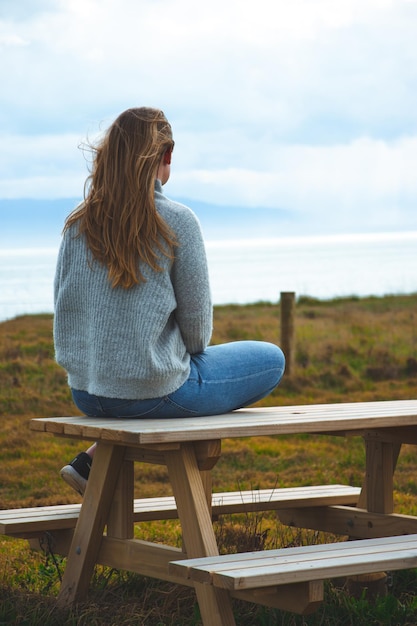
[{"x": 303, "y": 106}]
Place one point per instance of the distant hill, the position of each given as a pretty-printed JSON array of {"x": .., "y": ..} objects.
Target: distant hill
[{"x": 33, "y": 222}]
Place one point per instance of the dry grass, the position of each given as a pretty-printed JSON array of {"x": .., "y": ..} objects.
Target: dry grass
[{"x": 346, "y": 350}]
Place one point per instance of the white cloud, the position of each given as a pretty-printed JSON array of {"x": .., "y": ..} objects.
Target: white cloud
[
  {"x": 364, "y": 182},
  {"x": 10, "y": 39},
  {"x": 233, "y": 61},
  {"x": 53, "y": 166},
  {"x": 308, "y": 105}
]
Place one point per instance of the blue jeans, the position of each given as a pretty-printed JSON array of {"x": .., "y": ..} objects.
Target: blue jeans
[{"x": 222, "y": 378}]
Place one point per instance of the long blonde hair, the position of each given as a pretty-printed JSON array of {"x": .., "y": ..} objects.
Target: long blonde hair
[{"x": 118, "y": 216}]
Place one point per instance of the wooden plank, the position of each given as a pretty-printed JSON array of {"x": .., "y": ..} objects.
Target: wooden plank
[
  {"x": 120, "y": 522},
  {"x": 278, "y": 498},
  {"x": 407, "y": 434},
  {"x": 330, "y": 568},
  {"x": 350, "y": 521},
  {"x": 39, "y": 424},
  {"x": 198, "y": 534},
  {"x": 302, "y": 598},
  {"x": 93, "y": 517},
  {"x": 41, "y": 518},
  {"x": 208, "y": 453},
  {"x": 294, "y": 554},
  {"x": 341, "y": 417},
  {"x": 152, "y": 560},
  {"x": 289, "y": 565},
  {"x": 149, "y": 454},
  {"x": 141, "y": 557},
  {"x": 37, "y": 519},
  {"x": 381, "y": 458}
]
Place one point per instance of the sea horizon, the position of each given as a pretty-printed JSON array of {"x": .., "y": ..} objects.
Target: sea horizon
[{"x": 248, "y": 270}]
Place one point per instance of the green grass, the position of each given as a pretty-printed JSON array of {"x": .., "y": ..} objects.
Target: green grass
[{"x": 346, "y": 350}]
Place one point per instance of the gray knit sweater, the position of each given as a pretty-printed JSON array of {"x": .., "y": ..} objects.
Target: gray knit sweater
[{"x": 133, "y": 343}]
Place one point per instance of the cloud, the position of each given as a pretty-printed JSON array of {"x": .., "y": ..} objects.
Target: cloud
[
  {"x": 220, "y": 64},
  {"x": 365, "y": 181},
  {"x": 308, "y": 105},
  {"x": 7, "y": 39},
  {"x": 339, "y": 186},
  {"x": 53, "y": 166}
]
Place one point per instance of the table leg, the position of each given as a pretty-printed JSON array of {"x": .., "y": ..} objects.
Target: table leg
[
  {"x": 206, "y": 478},
  {"x": 93, "y": 517},
  {"x": 120, "y": 523},
  {"x": 198, "y": 534},
  {"x": 377, "y": 495},
  {"x": 381, "y": 460}
]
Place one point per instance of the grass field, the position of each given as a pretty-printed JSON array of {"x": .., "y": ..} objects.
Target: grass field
[{"x": 346, "y": 350}]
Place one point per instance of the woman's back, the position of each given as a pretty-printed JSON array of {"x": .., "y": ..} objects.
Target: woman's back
[{"x": 133, "y": 342}]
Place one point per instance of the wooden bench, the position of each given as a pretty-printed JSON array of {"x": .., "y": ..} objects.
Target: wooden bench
[
  {"x": 32, "y": 522},
  {"x": 240, "y": 573},
  {"x": 190, "y": 448}
]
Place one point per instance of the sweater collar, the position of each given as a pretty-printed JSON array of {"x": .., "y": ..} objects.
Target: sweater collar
[{"x": 158, "y": 185}]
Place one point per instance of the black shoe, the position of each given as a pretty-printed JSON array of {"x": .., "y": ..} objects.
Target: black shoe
[{"x": 76, "y": 473}]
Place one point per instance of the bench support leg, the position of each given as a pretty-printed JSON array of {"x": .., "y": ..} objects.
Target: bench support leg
[
  {"x": 198, "y": 534},
  {"x": 301, "y": 598},
  {"x": 381, "y": 460},
  {"x": 93, "y": 517},
  {"x": 377, "y": 495}
]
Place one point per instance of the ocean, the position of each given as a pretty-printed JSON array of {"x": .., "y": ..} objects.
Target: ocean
[{"x": 249, "y": 270}]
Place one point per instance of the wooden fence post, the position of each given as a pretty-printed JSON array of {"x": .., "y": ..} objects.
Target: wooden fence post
[{"x": 288, "y": 329}]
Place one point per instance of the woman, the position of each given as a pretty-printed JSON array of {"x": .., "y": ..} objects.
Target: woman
[{"x": 133, "y": 311}]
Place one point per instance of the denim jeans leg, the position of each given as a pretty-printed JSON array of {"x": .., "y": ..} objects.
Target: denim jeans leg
[
  {"x": 222, "y": 378},
  {"x": 230, "y": 376}
]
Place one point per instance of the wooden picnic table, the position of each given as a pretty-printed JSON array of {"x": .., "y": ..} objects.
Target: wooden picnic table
[{"x": 189, "y": 448}]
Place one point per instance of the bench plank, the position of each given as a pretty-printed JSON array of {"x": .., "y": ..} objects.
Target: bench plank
[
  {"x": 319, "y": 418},
  {"x": 344, "y": 520},
  {"x": 305, "y": 563},
  {"x": 33, "y": 520}
]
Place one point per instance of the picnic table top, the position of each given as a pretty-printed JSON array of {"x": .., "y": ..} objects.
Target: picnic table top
[{"x": 248, "y": 422}]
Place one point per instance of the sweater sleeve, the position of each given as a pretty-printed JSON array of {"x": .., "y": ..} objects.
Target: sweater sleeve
[{"x": 190, "y": 278}]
